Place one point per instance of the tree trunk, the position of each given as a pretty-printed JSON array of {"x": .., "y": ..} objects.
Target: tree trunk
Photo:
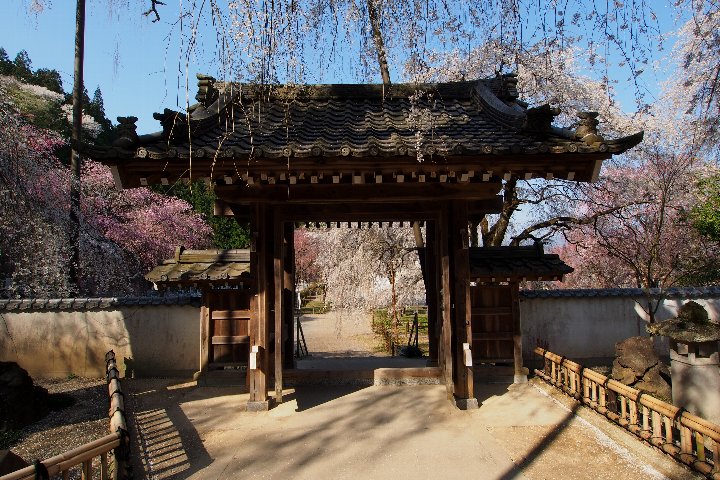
[
  {"x": 75, "y": 160},
  {"x": 393, "y": 309},
  {"x": 379, "y": 43}
]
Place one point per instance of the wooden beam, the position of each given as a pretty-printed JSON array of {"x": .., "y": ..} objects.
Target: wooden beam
[
  {"x": 583, "y": 166},
  {"x": 359, "y": 212},
  {"x": 363, "y": 192}
]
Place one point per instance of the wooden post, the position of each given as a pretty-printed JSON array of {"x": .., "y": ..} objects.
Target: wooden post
[
  {"x": 431, "y": 292},
  {"x": 461, "y": 314},
  {"x": 520, "y": 371},
  {"x": 278, "y": 273},
  {"x": 259, "y": 329},
  {"x": 445, "y": 351},
  {"x": 204, "y": 335},
  {"x": 289, "y": 295}
]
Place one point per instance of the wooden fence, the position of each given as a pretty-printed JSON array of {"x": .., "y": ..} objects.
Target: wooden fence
[
  {"x": 113, "y": 446},
  {"x": 688, "y": 438}
]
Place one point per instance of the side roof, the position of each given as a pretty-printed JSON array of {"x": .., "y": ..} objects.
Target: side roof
[
  {"x": 504, "y": 263},
  {"x": 203, "y": 267}
]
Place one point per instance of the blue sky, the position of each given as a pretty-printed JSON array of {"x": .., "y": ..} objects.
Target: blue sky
[
  {"x": 137, "y": 63},
  {"x": 143, "y": 79}
]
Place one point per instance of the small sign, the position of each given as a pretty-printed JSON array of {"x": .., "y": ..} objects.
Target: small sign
[{"x": 253, "y": 357}]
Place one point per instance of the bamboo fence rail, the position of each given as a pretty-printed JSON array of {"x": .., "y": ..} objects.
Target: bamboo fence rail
[
  {"x": 688, "y": 438},
  {"x": 114, "y": 446}
]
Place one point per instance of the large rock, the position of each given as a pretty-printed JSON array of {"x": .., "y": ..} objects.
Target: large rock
[
  {"x": 9, "y": 462},
  {"x": 21, "y": 402},
  {"x": 637, "y": 365}
]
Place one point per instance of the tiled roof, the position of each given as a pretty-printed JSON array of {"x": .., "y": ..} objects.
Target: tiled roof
[
  {"x": 516, "y": 263},
  {"x": 461, "y": 119},
  {"x": 36, "y": 304},
  {"x": 687, "y": 292},
  {"x": 203, "y": 266}
]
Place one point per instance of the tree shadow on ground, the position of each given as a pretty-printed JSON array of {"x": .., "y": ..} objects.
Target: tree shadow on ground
[
  {"x": 165, "y": 443},
  {"x": 311, "y": 396}
]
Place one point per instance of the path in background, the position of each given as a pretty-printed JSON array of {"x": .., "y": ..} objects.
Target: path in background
[{"x": 340, "y": 333}]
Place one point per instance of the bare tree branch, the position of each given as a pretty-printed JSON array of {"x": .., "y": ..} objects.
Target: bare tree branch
[
  {"x": 564, "y": 222},
  {"x": 153, "y": 10}
]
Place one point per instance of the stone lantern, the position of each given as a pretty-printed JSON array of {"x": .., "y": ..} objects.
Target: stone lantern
[{"x": 695, "y": 361}]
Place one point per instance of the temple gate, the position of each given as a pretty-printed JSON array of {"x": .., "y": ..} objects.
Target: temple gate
[{"x": 432, "y": 153}]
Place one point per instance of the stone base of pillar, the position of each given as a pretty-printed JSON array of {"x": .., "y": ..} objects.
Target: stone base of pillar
[
  {"x": 258, "y": 406},
  {"x": 466, "y": 403},
  {"x": 520, "y": 379},
  {"x": 696, "y": 388}
]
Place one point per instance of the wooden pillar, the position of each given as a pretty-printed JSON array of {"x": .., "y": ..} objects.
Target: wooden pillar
[
  {"x": 204, "y": 334},
  {"x": 262, "y": 237},
  {"x": 443, "y": 262},
  {"x": 289, "y": 296},
  {"x": 520, "y": 371},
  {"x": 278, "y": 294},
  {"x": 461, "y": 321},
  {"x": 431, "y": 292}
]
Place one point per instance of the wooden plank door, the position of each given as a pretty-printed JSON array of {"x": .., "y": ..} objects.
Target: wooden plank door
[
  {"x": 492, "y": 323},
  {"x": 230, "y": 315}
]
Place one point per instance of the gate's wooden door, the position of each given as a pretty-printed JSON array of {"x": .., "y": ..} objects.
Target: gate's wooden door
[
  {"x": 492, "y": 323},
  {"x": 230, "y": 314}
]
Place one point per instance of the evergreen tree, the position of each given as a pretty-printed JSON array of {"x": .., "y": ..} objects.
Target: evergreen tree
[
  {"x": 49, "y": 79},
  {"x": 23, "y": 66},
  {"x": 6, "y": 66}
]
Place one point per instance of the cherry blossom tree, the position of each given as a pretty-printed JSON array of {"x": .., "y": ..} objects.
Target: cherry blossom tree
[
  {"x": 650, "y": 242},
  {"x": 371, "y": 267},
  {"x": 122, "y": 235}
]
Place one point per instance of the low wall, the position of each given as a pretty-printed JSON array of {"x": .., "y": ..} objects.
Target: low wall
[
  {"x": 56, "y": 338},
  {"x": 158, "y": 336},
  {"x": 584, "y": 324}
]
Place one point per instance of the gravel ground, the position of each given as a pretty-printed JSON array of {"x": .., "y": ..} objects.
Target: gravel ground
[{"x": 81, "y": 422}]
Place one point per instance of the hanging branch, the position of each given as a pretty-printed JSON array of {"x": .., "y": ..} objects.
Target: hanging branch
[{"x": 153, "y": 10}]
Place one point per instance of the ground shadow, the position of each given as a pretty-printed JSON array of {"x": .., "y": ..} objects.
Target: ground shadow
[
  {"x": 537, "y": 450},
  {"x": 165, "y": 443},
  {"x": 310, "y": 396}
]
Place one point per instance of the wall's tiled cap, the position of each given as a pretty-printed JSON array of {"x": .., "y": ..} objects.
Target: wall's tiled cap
[
  {"x": 679, "y": 293},
  {"x": 34, "y": 304}
]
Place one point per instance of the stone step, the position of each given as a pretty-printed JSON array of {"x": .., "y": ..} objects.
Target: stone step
[
  {"x": 222, "y": 378},
  {"x": 378, "y": 376},
  {"x": 493, "y": 373}
]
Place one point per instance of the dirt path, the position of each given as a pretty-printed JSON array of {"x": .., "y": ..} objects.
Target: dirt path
[
  {"x": 345, "y": 432},
  {"x": 340, "y": 334}
]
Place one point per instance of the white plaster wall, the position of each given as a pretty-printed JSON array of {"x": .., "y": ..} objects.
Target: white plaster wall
[
  {"x": 587, "y": 327},
  {"x": 163, "y": 340},
  {"x": 147, "y": 340}
]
